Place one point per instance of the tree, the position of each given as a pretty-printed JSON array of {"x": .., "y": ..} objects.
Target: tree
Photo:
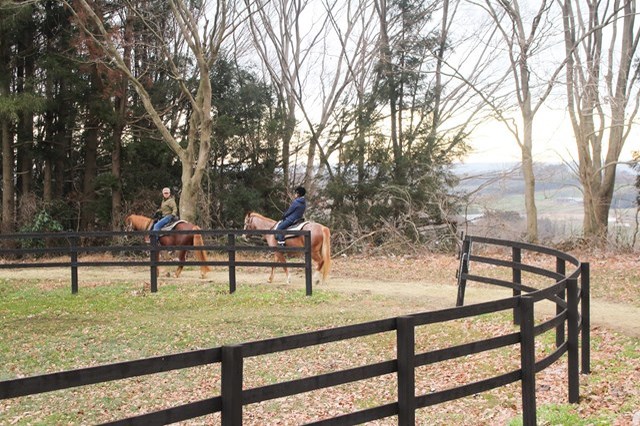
[
  {"x": 246, "y": 144},
  {"x": 8, "y": 190},
  {"x": 276, "y": 34},
  {"x": 601, "y": 41},
  {"x": 395, "y": 148},
  {"x": 18, "y": 104},
  {"x": 187, "y": 60},
  {"x": 523, "y": 39}
]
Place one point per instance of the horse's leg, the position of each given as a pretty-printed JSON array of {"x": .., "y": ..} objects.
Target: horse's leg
[
  {"x": 182, "y": 256},
  {"x": 317, "y": 259},
  {"x": 279, "y": 258},
  {"x": 273, "y": 271}
]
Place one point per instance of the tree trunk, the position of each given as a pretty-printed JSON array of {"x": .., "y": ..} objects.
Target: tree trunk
[
  {"x": 289, "y": 127},
  {"x": 90, "y": 171},
  {"x": 118, "y": 129},
  {"x": 91, "y": 141},
  {"x": 587, "y": 55},
  {"x": 8, "y": 188},
  {"x": 26, "y": 69},
  {"x": 527, "y": 157}
]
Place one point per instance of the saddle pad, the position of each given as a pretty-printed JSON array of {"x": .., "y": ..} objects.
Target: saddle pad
[
  {"x": 172, "y": 225},
  {"x": 296, "y": 227}
]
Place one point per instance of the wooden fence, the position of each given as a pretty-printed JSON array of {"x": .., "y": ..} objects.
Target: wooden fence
[
  {"x": 569, "y": 290},
  {"x": 28, "y": 250}
]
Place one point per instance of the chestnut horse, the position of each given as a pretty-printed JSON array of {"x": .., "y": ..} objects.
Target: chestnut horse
[
  {"x": 143, "y": 223},
  {"x": 320, "y": 243}
]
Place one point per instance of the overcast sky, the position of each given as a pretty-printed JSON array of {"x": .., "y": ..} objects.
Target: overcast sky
[{"x": 553, "y": 141}]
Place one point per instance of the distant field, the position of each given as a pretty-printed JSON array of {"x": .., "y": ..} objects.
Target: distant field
[
  {"x": 560, "y": 215},
  {"x": 558, "y": 196}
]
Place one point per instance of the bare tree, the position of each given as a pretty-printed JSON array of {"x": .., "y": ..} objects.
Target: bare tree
[
  {"x": 523, "y": 39},
  {"x": 351, "y": 60},
  {"x": 200, "y": 30},
  {"x": 277, "y": 35},
  {"x": 601, "y": 39},
  {"x": 462, "y": 62},
  {"x": 313, "y": 53}
]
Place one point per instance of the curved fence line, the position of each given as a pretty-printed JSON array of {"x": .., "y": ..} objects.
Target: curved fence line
[{"x": 572, "y": 302}]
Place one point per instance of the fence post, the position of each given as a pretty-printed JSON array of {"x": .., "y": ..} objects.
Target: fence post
[
  {"x": 154, "y": 262},
  {"x": 516, "y": 274},
  {"x": 463, "y": 269},
  {"x": 527, "y": 361},
  {"x": 406, "y": 370},
  {"x": 572, "y": 341},
  {"x": 585, "y": 303},
  {"x": 308, "y": 270},
  {"x": 560, "y": 269},
  {"x": 231, "y": 386},
  {"x": 73, "y": 253},
  {"x": 231, "y": 238}
]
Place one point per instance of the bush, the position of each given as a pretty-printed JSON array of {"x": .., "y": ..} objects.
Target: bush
[{"x": 42, "y": 222}]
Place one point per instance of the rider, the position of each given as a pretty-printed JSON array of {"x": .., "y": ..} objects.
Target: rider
[
  {"x": 293, "y": 214},
  {"x": 168, "y": 209}
]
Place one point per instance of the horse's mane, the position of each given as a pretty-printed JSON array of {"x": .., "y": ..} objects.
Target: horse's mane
[
  {"x": 252, "y": 213},
  {"x": 138, "y": 220},
  {"x": 138, "y": 216}
]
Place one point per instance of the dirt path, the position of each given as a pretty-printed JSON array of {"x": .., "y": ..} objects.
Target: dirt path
[
  {"x": 436, "y": 293},
  {"x": 622, "y": 318}
]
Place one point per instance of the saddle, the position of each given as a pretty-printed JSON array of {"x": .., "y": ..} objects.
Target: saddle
[
  {"x": 297, "y": 226},
  {"x": 169, "y": 226}
]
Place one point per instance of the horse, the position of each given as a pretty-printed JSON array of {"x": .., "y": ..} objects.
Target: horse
[
  {"x": 320, "y": 243},
  {"x": 143, "y": 223}
]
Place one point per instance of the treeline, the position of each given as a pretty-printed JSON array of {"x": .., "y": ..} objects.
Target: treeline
[{"x": 89, "y": 135}]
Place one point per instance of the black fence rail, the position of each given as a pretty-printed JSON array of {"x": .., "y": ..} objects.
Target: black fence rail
[
  {"x": 234, "y": 396},
  {"x": 42, "y": 250}
]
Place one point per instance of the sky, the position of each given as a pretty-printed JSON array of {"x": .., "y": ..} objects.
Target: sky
[{"x": 553, "y": 141}]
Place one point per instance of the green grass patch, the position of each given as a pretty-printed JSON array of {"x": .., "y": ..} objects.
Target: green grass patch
[
  {"x": 564, "y": 414},
  {"x": 46, "y": 329}
]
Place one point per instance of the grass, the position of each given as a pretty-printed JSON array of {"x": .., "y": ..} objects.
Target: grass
[{"x": 46, "y": 329}]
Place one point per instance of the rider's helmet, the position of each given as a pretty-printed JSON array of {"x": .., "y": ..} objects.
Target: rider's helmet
[{"x": 300, "y": 191}]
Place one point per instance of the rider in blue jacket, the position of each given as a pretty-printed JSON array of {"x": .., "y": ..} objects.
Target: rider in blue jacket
[{"x": 294, "y": 213}]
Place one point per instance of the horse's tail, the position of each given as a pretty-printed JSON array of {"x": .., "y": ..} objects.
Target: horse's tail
[
  {"x": 200, "y": 254},
  {"x": 326, "y": 252}
]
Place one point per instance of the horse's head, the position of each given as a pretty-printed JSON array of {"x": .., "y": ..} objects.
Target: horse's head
[
  {"x": 128, "y": 223},
  {"x": 248, "y": 222}
]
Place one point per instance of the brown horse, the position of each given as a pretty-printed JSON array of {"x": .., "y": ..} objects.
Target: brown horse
[
  {"x": 143, "y": 223},
  {"x": 320, "y": 243}
]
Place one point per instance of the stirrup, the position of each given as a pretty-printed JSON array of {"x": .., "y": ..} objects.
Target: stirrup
[{"x": 281, "y": 243}]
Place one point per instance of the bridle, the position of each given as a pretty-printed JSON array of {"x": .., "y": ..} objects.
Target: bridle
[{"x": 247, "y": 221}]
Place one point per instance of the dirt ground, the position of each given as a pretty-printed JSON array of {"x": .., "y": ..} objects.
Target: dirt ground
[{"x": 429, "y": 280}]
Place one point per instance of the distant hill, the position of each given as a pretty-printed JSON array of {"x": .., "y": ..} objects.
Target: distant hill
[{"x": 491, "y": 182}]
